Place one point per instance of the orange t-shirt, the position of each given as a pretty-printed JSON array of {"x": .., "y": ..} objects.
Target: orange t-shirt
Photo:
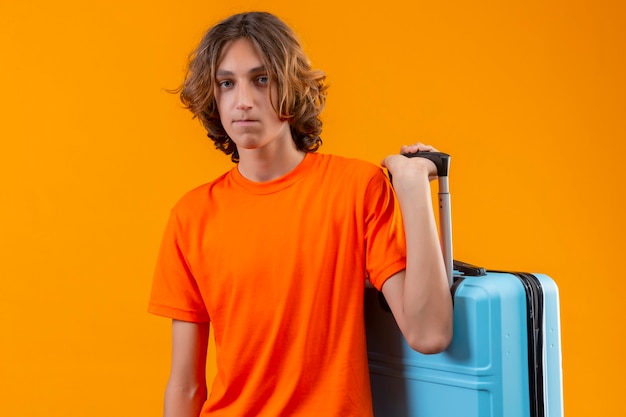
[{"x": 279, "y": 268}]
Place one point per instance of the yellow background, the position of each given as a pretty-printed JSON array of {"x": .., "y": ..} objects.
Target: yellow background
[{"x": 528, "y": 97}]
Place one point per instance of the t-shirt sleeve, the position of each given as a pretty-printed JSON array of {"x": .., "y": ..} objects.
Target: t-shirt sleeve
[
  {"x": 384, "y": 239},
  {"x": 175, "y": 293}
]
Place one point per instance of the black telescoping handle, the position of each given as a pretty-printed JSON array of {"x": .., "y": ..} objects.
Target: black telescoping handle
[
  {"x": 440, "y": 159},
  {"x": 442, "y": 162}
]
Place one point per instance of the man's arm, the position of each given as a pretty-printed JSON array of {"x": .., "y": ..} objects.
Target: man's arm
[
  {"x": 419, "y": 296},
  {"x": 186, "y": 389}
]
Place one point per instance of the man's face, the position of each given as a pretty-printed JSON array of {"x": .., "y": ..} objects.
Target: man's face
[{"x": 244, "y": 94}]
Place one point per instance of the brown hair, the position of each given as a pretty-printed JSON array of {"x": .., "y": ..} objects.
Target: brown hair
[{"x": 301, "y": 90}]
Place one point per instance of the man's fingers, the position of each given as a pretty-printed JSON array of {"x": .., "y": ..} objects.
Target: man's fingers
[{"x": 417, "y": 147}]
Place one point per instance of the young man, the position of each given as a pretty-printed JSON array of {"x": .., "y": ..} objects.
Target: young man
[{"x": 274, "y": 254}]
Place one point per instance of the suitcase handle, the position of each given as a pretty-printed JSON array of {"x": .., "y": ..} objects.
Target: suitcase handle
[
  {"x": 440, "y": 159},
  {"x": 442, "y": 162},
  {"x": 468, "y": 269}
]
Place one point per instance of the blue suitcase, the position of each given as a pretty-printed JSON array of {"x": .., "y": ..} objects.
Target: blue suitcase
[{"x": 505, "y": 355}]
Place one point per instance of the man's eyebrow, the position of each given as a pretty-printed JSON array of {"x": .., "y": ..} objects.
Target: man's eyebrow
[
  {"x": 227, "y": 73},
  {"x": 257, "y": 70}
]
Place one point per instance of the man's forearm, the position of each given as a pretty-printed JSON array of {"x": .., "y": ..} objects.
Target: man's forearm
[{"x": 426, "y": 304}]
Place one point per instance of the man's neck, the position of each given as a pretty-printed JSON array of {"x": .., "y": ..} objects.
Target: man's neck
[{"x": 266, "y": 164}]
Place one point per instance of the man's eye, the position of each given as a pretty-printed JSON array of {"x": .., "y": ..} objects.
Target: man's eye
[
  {"x": 225, "y": 84},
  {"x": 264, "y": 79}
]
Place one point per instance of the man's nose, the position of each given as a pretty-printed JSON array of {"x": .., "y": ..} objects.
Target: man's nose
[{"x": 244, "y": 97}]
